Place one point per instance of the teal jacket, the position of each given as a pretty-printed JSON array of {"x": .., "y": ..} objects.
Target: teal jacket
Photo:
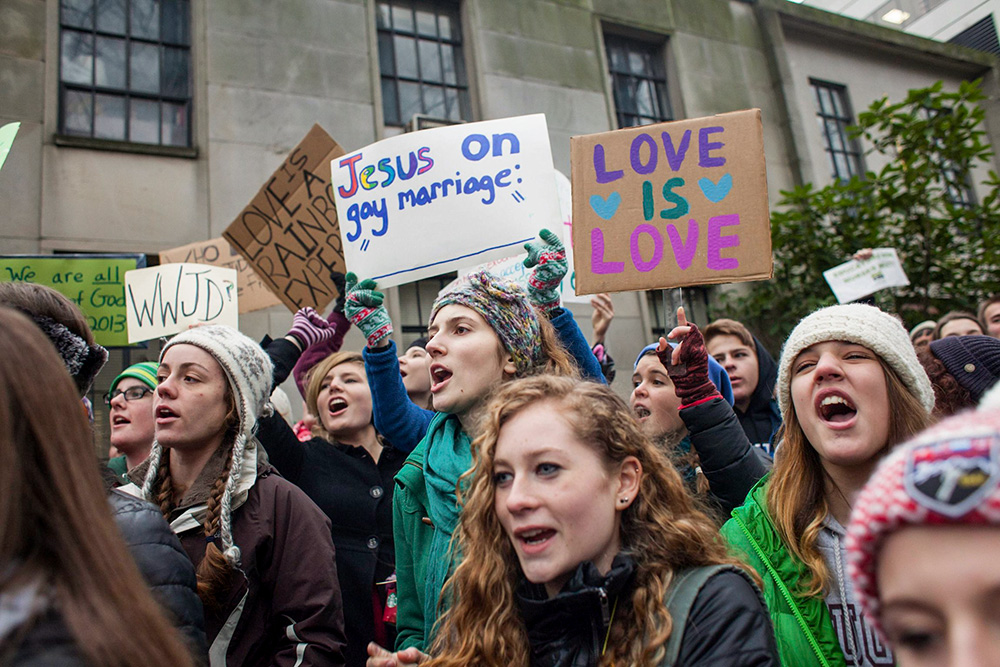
[
  {"x": 412, "y": 531},
  {"x": 802, "y": 625}
]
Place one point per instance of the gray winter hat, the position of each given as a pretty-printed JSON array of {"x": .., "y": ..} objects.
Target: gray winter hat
[{"x": 864, "y": 325}]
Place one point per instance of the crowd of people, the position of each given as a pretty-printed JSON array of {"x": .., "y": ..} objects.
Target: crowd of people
[{"x": 484, "y": 498}]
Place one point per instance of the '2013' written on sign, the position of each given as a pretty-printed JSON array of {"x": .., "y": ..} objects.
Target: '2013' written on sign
[
  {"x": 388, "y": 172},
  {"x": 684, "y": 249}
]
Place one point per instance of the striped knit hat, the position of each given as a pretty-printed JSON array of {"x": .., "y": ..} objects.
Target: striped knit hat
[
  {"x": 947, "y": 475},
  {"x": 250, "y": 374},
  {"x": 144, "y": 371},
  {"x": 506, "y": 308}
]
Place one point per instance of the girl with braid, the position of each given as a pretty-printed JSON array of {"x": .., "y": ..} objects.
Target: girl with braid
[{"x": 265, "y": 561}]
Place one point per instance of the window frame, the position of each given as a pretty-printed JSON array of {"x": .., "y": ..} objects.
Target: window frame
[
  {"x": 389, "y": 74},
  {"x": 851, "y": 151},
  {"x": 653, "y": 50},
  {"x": 162, "y": 98}
]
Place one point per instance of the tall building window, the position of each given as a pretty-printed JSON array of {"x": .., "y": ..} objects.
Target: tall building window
[
  {"x": 638, "y": 81},
  {"x": 415, "y": 301},
  {"x": 420, "y": 60},
  {"x": 833, "y": 113},
  {"x": 125, "y": 70}
]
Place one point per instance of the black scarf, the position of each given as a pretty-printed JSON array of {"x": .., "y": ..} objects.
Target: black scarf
[{"x": 569, "y": 629}]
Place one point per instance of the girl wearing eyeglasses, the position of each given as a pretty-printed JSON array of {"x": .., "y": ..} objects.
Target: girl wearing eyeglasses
[{"x": 131, "y": 415}]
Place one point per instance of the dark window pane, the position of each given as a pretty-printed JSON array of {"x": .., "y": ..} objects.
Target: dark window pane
[
  {"x": 175, "y": 23},
  {"x": 145, "y": 19},
  {"x": 109, "y": 69},
  {"x": 77, "y": 13},
  {"x": 175, "y": 124},
  {"x": 409, "y": 100},
  {"x": 426, "y": 25},
  {"x": 144, "y": 122},
  {"x": 77, "y": 112},
  {"x": 643, "y": 99},
  {"x": 430, "y": 61},
  {"x": 636, "y": 63},
  {"x": 109, "y": 117},
  {"x": 448, "y": 74},
  {"x": 838, "y": 103},
  {"x": 406, "y": 56},
  {"x": 144, "y": 67},
  {"x": 402, "y": 18},
  {"x": 637, "y": 81},
  {"x": 843, "y": 167},
  {"x": 111, "y": 16},
  {"x": 434, "y": 101},
  {"x": 386, "y": 60},
  {"x": 390, "y": 106},
  {"x": 77, "y": 57},
  {"x": 452, "y": 111},
  {"x": 617, "y": 59},
  {"x": 445, "y": 29},
  {"x": 175, "y": 72},
  {"x": 835, "y": 138}
]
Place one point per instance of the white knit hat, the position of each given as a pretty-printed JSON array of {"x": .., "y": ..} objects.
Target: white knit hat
[
  {"x": 864, "y": 325},
  {"x": 250, "y": 374}
]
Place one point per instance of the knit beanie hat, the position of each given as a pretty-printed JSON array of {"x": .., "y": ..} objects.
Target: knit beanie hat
[
  {"x": 947, "y": 475},
  {"x": 863, "y": 325},
  {"x": 974, "y": 361},
  {"x": 83, "y": 361},
  {"x": 144, "y": 371},
  {"x": 927, "y": 326},
  {"x": 716, "y": 373},
  {"x": 250, "y": 373},
  {"x": 506, "y": 308}
]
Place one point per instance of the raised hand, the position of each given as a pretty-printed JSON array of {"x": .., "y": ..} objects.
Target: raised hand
[
  {"x": 363, "y": 306},
  {"x": 687, "y": 364},
  {"x": 309, "y": 328},
  {"x": 548, "y": 258}
]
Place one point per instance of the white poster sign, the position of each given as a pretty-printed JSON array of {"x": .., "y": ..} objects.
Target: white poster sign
[
  {"x": 857, "y": 278},
  {"x": 424, "y": 203},
  {"x": 168, "y": 299}
]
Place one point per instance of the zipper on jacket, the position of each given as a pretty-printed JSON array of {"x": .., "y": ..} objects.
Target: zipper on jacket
[
  {"x": 784, "y": 592},
  {"x": 605, "y": 611}
]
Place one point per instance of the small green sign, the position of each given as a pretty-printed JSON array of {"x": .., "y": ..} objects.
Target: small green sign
[{"x": 96, "y": 283}]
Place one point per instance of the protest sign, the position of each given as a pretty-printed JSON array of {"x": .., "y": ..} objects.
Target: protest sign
[
  {"x": 289, "y": 231},
  {"x": 168, "y": 299},
  {"x": 669, "y": 205},
  {"x": 857, "y": 278},
  {"x": 424, "y": 203},
  {"x": 7, "y": 134},
  {"x": 564, "y": 191},
  {"x": 95, "y": 283},
  {"x": 252, "y": 292}
]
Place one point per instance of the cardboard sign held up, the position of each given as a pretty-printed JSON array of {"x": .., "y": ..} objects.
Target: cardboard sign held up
[
  {"x": 670, "y": 205},
  {"x": 168, "y": 299},
  {"x": 857, "y": 278},
  {"x": 95, "y": 283},
  {"x": 253, "y": 293},
  {"x": 428, "y": 202},
  {"x": 289, "y": 231}
]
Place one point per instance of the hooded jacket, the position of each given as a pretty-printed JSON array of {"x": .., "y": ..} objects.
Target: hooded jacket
[
  {"x": 283, "y": 606},
  {"x": 762, "y": 417}
]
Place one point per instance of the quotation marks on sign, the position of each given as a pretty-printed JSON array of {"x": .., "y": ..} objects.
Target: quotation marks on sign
[
  {"x": 716, "y": 192},
  {"x": 364, "y": 245},
  {"x": 518, "y": 197}
]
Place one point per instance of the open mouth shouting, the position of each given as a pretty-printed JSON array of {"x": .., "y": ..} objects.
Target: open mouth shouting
[
  {"x": 336, "y": 407},
  {"x": 836, "y": 409},
  {"x": 532, "y": 539},
  {"x": 165, "y": 415},
  {"x": 120, "y": 420},
  {"x": 439, "y": 377},
  {"x": 641, "y": 412}
]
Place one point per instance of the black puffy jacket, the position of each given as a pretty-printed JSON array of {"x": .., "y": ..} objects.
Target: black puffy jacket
[{"x": 164, "y": 565}]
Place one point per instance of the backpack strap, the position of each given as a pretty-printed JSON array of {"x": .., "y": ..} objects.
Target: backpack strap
[{"x": 681, "y": 594}]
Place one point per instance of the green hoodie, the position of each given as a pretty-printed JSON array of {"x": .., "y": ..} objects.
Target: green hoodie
[{"x": 802, "y": 625}]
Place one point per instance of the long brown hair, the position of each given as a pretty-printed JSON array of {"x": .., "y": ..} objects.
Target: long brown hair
[
  {"x": 663, "y": 530},
  {"x": 796, "y": 490},
  {"x": 214, "y": 571},
  {"x": 55, "y": 521}
]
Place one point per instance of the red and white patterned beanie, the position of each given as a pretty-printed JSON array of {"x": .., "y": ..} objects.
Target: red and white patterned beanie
[{"x": 947, "y": 475}]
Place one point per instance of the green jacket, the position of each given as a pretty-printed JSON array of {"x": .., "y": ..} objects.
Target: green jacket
[
  {"x": 802, "y": 625},
  {"x": 412, "y": 533}
]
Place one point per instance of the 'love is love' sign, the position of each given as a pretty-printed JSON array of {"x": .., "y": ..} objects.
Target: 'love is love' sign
[{"x": 670, "y": 205}]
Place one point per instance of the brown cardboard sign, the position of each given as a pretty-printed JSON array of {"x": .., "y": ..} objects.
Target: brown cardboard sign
[
  {"x": 252, "y": 293},
  {"x": 670, "y": 205},
  {"x": 289, "y": 231}
]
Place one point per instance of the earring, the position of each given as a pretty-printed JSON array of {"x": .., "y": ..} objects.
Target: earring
[{"x": 624, "y": 500}]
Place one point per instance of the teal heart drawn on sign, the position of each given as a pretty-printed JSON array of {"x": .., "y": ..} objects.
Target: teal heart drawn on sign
[
  {"x": 716, "y": 192},
  {"x": 606, "y": 208}
]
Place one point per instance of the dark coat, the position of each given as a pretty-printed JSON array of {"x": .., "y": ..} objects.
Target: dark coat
[
  {"x": 727, "y": 625},
  {"x": 164, "y": 566},
  {"x": 355, "y": 493},
  {"x": 762, "y": 418},
  {"x": 48, "y": 643}
]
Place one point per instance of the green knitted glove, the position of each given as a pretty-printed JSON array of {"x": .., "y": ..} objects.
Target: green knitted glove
[
  {"x": 363, "y": 306},
  {"x": 548, "y": 257}
]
